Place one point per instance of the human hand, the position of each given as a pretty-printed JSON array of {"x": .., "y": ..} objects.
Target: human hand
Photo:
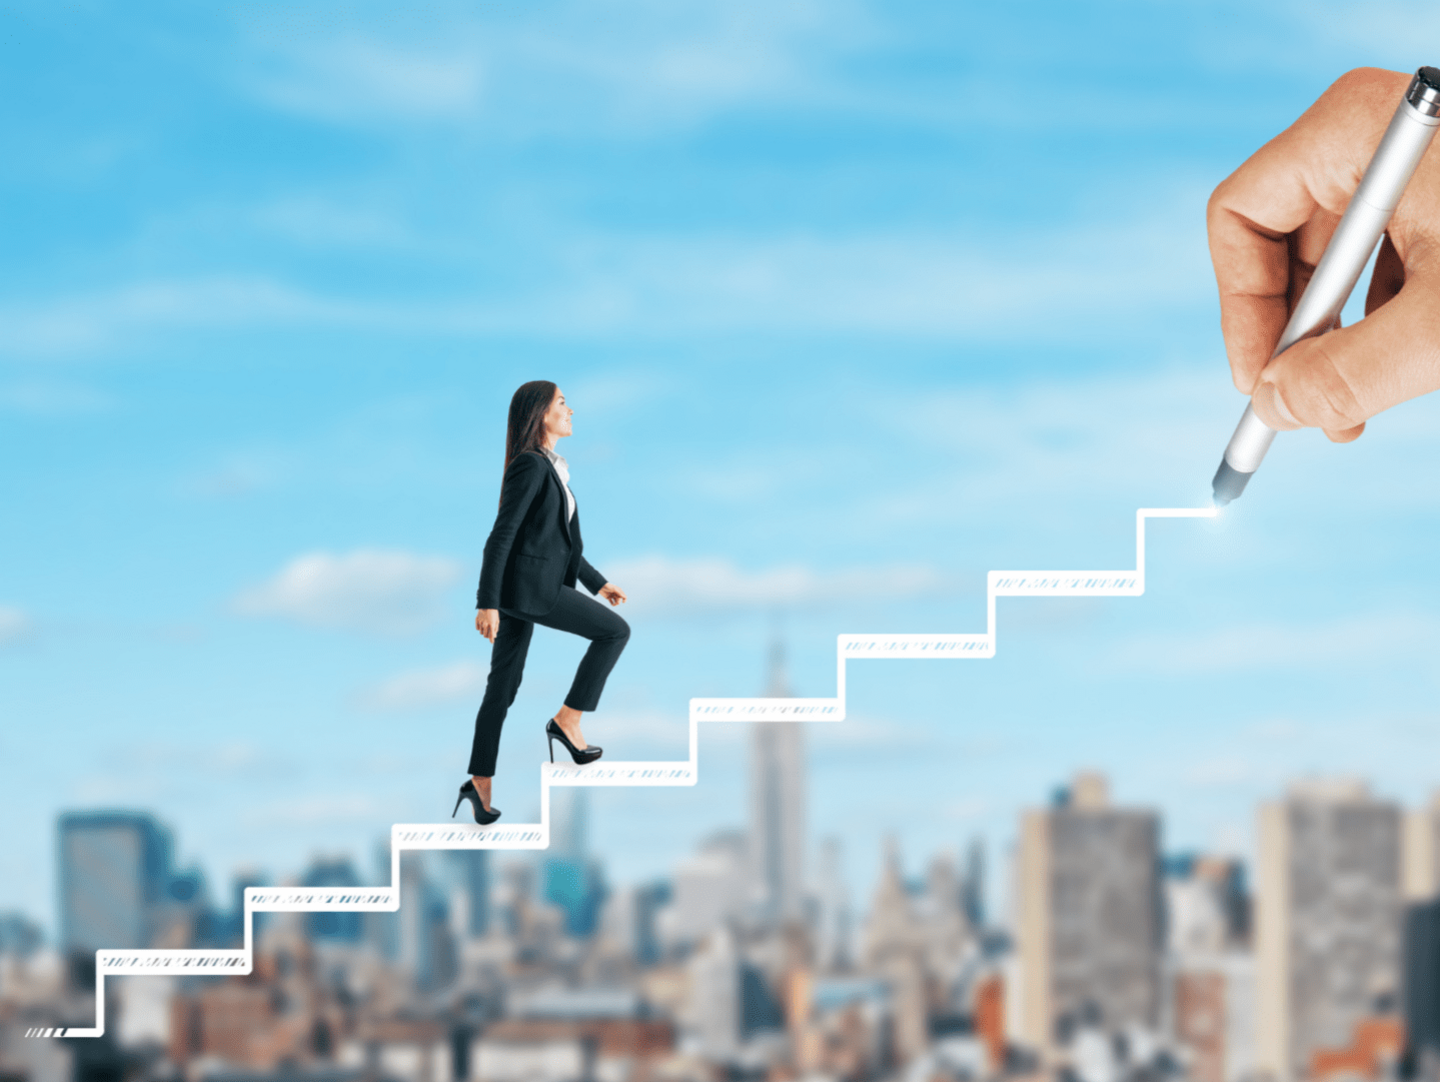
[
  {"x": 612, "y": 593},
  {"x": 487, "y": 622},
  {"x": 1269, "y": 223}
]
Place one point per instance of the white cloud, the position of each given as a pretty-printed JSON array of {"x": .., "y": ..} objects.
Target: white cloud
[
  {"x": 357, "y": 78},
  {"x": 316, "y": 810},
  {"x": 52, "y": 399},
  {"x": 665, "y": 584},
  {"x": 423, "y": 688},
  {"x": 15, "y": 625},
  {"x": 1273, "y": 646},
  {"x": 366, "y": 590},
  {"x": 967, "y": 809},
  {"x": 946, "y": 286},
  {"x": 1221, "y": 771},
  {"x": 85, "y": 321},
  {"x": 577, "y": 65}
]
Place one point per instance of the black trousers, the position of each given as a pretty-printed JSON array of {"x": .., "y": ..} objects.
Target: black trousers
[{"x": 573, "y": 612}]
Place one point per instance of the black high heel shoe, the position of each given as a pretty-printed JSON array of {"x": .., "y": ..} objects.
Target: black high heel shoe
[
  {"x": 483, "y": 817},
  {"x": 580, "y": 755}
]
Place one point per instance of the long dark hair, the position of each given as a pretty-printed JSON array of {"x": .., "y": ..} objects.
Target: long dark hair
[{"x": 526, "y": 429}]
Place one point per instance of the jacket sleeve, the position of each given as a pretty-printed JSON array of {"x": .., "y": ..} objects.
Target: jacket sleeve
[
  {"x": 517, "y": 492},
  {"x": 592, "y": 579}
]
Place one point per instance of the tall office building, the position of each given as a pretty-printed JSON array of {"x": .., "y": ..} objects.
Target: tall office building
[
  {"x": 1421, "y": 992},
  {"x": 1089, "y": 921},
  {"x": 715, "y": 980},
  {"x": 470, "y": 893},
  {"x": 833, "y": 917},
  {"x": 710, "y": 887},
  {"x": 1422, "y": 852},
  {"x": 335, "y": 871},
  {"x": 427, "y": 948},
  {"x": 1328, "y": 922},
  {"x": 570, "y": 880},
  {"x": 894, "y": 948},
  {"x": 114, "y": 873},
  {"x": 777, "y": 807},
  {"x": 1210, "y": 968}
]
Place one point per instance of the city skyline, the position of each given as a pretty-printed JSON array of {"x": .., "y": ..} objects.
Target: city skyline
[{"x": 1238, "y": 979}]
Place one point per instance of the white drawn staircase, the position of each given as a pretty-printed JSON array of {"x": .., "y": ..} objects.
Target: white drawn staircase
[{"x": 403, "y": 836}]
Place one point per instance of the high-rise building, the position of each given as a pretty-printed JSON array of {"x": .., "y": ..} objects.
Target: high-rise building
[
  {"x": 1210, "y": 968},
  {"x": 1206, "y": 903},
  {"x": 336, "y": 871},
  {"x": 715, "y": 975},
  {"x": 973, "y": 894},
  {"x": 630, "y": 924},
  {"x": 894, "y": 949},
  {"x": 19, "y": 935},
  {"x": 570, "y": 880},
  {"x": 709, "y": 888},
  {"x": 833, "y": 919},
  {"x": 777, "y": 807},
  {"x": 569, "y": 821},
  {"x": 1422, "y": 852},
  {"x": 426, "y": 946},
  {"x": 470, "y": 898},
  {"x": 114, "y": 871},
  {"x": 1421, "y": 992},
  {"x": 1089, "y": 926},
  {"x": 1328, "y": 910}
]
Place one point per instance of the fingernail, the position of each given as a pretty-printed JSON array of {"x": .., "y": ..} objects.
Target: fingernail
[{"x": 1270, "y": 408}]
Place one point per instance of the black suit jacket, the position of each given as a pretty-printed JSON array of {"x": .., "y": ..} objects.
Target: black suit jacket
[{"x": 533, "y": 550}]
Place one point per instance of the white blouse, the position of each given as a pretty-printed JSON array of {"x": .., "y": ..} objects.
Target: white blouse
[{"x": 563, "y": 469}]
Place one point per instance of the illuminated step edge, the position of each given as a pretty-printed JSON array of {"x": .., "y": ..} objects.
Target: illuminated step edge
[{"x": 468, "y": 835}]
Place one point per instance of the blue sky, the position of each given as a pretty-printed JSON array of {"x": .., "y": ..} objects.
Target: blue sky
[{"x": 853, "y": 302}]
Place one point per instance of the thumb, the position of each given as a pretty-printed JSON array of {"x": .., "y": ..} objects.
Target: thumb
[{"x": 1338, "y": 380}]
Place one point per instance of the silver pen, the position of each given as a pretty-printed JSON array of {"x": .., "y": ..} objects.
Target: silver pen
[{"x": 1360, "y": 229}]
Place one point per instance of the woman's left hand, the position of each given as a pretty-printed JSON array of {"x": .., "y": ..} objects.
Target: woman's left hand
[{"x": 612, "y": 593}]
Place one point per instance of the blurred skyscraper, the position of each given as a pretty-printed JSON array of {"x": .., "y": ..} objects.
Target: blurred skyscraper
[
  {"x": 714, "y": 986},
  {"x": 471, "y": 871},
  {"x": 427, "y": 948},
  {"x": 833, "y": 929},
  {"x": 1328, "y": 921},
  {"x": 1422, "y": 851},
  {"x": 334, "y": 927},
  {"x": 1421, "y": 990},
  {"x": 973, "y": 898},
  {"x": 114, "y": 869},
  {"x": 1210, "y": 966},
  {"x": 570, "y": 880},
  {"x": 709, "y": 887},
  {"x": 1421, "y": 942},
  {"x": 19, "y": 935},
  {"x": 776, "y": 841},
  {"x": 1089, "y": 924}
]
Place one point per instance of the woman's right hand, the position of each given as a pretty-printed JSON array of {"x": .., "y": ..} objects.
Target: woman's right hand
[{"x": 487, "y": 622}]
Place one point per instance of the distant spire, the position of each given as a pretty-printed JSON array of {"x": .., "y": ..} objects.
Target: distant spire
[
  {"x": 778, "y": 684},
  {"x": 777, "y": 803}
]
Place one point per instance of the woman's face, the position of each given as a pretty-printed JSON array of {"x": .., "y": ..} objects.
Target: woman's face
[{"x": 557, "y": 418}]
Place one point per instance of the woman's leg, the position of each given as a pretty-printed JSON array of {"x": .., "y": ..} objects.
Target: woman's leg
[
  {"x": 608, "y": 633},
  {"x": 507, "y": 665}
]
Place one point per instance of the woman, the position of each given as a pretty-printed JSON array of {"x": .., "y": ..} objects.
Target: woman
[{"x": 532, "y": 561}]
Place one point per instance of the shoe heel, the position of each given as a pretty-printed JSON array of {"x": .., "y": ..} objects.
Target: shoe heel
[
  {"x": 458, "y": 802},
  {"x": 552, "y": 748}
]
